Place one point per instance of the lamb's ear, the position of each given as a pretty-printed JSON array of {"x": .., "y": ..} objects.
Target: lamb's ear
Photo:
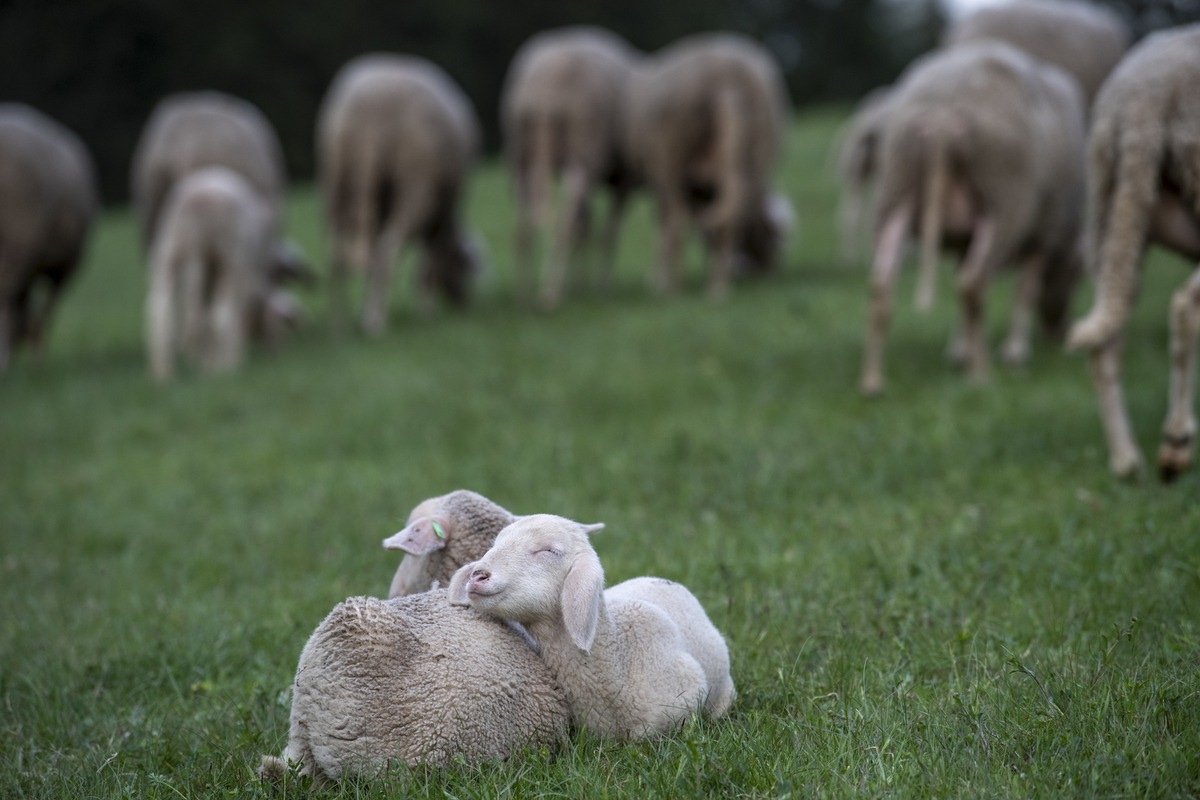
[
  {"x": 422, "y": 536},
  {"x": 595, "y": 527},
  {"x": 581, "y": 593},
  {"x": 456, "y": 592}
]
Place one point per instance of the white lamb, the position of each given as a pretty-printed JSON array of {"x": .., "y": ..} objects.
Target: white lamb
[{"x": 635, "y": 660}]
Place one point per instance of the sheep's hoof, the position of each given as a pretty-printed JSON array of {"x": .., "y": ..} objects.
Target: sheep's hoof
[
  {"x": 1015, "y": 353},
  {"x": 1126, "y": 466},
  {"x": 871, "y": 385},
  {"x": 1174, "y": 457}
]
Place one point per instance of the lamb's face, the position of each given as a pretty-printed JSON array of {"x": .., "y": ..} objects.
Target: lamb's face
[{"x": 521, "y": 577}]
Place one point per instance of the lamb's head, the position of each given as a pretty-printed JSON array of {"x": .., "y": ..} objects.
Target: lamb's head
[
  {"x": 763, "y": 235},
  {"x": 450, "y": 264},
  {"x": 541, "y": 569}
]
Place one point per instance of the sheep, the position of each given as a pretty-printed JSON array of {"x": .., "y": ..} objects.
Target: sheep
[
  {"x": 49, "y": 200},
  {"x": 209, "y": 272},
  {"x": 441, "y": 535},
  {"x": 635, "y": 660},
  {"x": 704, "y": 123},
  {"x": 858, "y": 165},
  {"x": 561, "y": 109},
  {"x": 395, "y": 141},
  {"x": 1144, "y": 182},
  {"x": 1001, "y": 179},
  {"x": 418, "y": 680},
  {"x": 1085, "y": 39}
]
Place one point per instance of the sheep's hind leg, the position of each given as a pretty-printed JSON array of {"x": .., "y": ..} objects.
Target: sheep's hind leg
[
  {"x": 1016, "y": 347},
  {"x": 1179, "y": 430},
  {"x": 1124, "y": 459},
  {"x": 888, "y": 249},
  {"x": 566, "y": 236},
  {"x": 972, "y": 282},
  {"x": 673, "y": 222}
]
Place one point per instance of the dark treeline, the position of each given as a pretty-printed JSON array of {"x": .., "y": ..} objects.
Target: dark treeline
[{"x": 100, "y": 65}]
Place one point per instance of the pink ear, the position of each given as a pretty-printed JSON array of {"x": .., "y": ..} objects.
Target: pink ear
[
  {"x": 420, "y": 537},
  {"x": 456, "y": 592},
  {"x": 581, "y": 593}
]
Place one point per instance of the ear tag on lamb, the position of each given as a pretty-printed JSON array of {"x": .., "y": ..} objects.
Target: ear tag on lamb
[{"x": 441, "y": 534}]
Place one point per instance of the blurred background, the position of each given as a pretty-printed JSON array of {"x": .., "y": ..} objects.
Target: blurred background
[{"x": 99, "y": 66}]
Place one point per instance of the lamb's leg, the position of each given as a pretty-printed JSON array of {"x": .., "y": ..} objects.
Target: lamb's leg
[
  {"x": 1179, "y": 430},
  {"x": 228, "y": 315},
  {"x": 1124, "y": 458},
  {"x": 608, "y": 242},
  {"x": 888, "y": 249},
  {"x": 674, "y": 220},
  {"x": 723, "y": 244},
  {"x": 526, "y": 238},
  {"x": 160, "y": 327},
  {"x": 339, "y": 268},
  {"x": 972, "y": 282},
  {"x": 379, "y": 275},
  {"x": 566, "y": 235},
  {"x": 1016, "y": 348}
]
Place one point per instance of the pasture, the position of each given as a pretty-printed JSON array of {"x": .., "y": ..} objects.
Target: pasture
[{"x": 937, "y": 593}]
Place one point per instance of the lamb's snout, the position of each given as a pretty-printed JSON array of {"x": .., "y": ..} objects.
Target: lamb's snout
[{"x": 479, "y": 582}]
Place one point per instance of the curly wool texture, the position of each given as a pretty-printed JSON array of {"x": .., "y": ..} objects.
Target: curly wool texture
[
  {"x": 470, "y": 521},
  {"x": 418, "y": 680}
]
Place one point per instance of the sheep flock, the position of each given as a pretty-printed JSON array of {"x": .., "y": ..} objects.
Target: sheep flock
[{"x": 1037, "y": 137}]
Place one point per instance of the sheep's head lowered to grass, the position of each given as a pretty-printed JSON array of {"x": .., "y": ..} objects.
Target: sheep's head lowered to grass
[{"x": 541, "y": 568}]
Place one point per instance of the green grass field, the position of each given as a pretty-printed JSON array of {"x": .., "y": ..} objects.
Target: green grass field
[{"x": 939, "y": 593}]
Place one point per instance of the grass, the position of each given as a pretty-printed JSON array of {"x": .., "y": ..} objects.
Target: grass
[{"x": 940, "y": 593}]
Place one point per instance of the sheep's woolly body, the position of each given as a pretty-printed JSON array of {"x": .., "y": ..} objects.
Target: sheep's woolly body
[
  {"x": 704, "y": 127},
  {"x": 1083, "y": 38},
  {"x": 47, "y": 204},
  {"x": 561, "y": 112},
  {"x": 1144, "y": 171},
  {"x": 192, "y": 130},
  {"x": 1004, "y": 177},
  {"x": 634, "y": 661},
  {"x": 395, "y": 141},
  {"x": 470, "y": 522},
  {"x": 418, "y": 680},
  {"x": 208, "y": 272}
]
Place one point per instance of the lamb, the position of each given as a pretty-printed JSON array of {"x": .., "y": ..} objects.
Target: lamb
[
  {"x": 441, "y": 535},
  {"x": 703, "y": 128},
  {"x": 1002, "y": 179},
  {"x": 1144, "y": 181},
  {"x": 49, "y": 199},
  {"x": 1085, "y": 39},
  {"x": 395, "y": 141},
  {"x": 858, "y": 164},
  {"x": 414, "y": 679},
  {"x": 209, "y": 272},
  {"x": 635, "y": 660},
  {"x": 188, "y": 131},
  {"x": 561, "y": 116}
]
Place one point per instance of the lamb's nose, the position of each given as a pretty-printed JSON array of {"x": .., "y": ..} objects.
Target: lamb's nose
[{"x": 480, "y": 576}]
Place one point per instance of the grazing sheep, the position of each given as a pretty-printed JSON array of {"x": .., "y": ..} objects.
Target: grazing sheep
[
  {"x": 1085, "y": 39},
  {"x": 1001, "y": 179},
  {"x": 418, "y": 680},
  {"x": 441, "y": 535},
  {"x": 635, "y": 660},
  {"x": 209, "y": 272},
  {"x": 48, "y": 197},
  {"x": 858, "y": 163},
  {"x": 561, "y": 114},
  {"x": 395, "y": 141},
  {"x": 1144, "y": 171},
  {"x": 704, "y": 125}
]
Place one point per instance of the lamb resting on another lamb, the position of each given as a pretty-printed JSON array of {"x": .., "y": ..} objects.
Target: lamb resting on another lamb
[
  {"x": 635, "y": 660},
  {"x": 1144, "y": 170}
]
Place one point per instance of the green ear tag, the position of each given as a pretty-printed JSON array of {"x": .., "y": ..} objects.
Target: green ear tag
[{"x": 441, "y": 534}]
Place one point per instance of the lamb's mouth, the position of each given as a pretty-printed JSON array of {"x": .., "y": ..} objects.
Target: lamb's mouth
[{"x": 480, "y": 592}]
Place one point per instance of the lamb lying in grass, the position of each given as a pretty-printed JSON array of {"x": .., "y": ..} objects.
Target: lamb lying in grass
[
  {"x": 441, "y": 535},
  {"x": 635, "y": 660},
  {"x": 418, "y": 680}
]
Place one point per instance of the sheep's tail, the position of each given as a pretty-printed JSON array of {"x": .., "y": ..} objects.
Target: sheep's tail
[
  {"x": 931, "y": 218},
  {"x": 160, "y": 303},
  {"x": 542, "y": 147},
  {"x": 1125, "y": 173},
  {"x": 730, "y": 138}
]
